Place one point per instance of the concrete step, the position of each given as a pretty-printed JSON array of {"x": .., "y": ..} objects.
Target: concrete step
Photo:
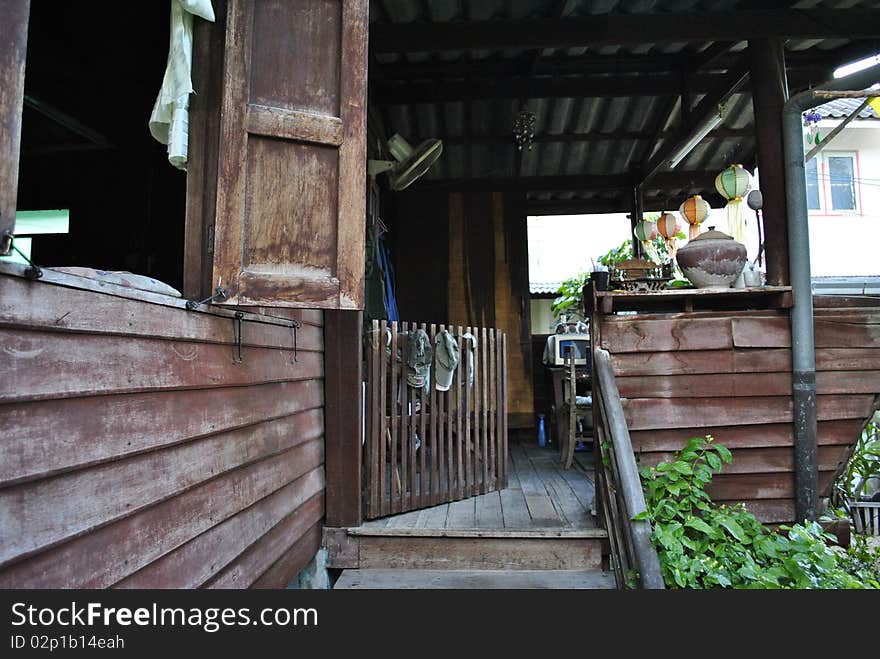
[{"x": 475, "y": 579}]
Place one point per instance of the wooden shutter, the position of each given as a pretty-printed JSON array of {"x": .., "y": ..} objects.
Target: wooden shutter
[
  {"x": 289, "y": 225},
  {"x": 13, "y": 47}
]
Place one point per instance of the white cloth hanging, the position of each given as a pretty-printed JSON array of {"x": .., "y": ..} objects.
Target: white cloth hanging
[{"x": 169, "y": 121}]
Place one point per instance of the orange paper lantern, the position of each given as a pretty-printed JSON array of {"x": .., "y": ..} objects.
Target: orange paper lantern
[{"x": 694, "y": 211}]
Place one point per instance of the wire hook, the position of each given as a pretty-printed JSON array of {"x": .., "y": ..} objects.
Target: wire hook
[{"x": 236, "y": 334}]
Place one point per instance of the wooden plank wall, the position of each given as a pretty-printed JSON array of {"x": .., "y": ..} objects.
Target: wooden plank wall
[
  {"x": 488, "y": 282},
  {"x": 137, "y": 453},
  {"x": 729, "y": 375}
]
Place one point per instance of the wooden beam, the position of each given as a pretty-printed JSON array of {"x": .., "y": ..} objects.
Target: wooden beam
[
  {"x": 717, "y": 58},
  {"x": 653, "y": 84},
  {"x": 13, "y": 49},
  {"x": 836, "y": 131},
  {"x": 342, "y": 416},
  {"x": 590, "y": 138},
  {"x": 767, "y": 61},
  {"x": 66, "y": 121},
  {"x": 581, "y": 182},
  {"x": 613, "y": 29},
  {"x": 619, "y": 204}
]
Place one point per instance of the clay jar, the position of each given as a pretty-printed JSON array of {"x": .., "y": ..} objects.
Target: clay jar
[{"x": 712, "y": 260}]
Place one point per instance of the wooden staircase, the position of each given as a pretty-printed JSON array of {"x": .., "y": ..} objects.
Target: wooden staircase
[
  {"x": 537, "y": 533},
  {"x": 473, "y": 558}
]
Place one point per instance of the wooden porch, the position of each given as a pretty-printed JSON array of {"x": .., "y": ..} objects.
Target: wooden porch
[{"x": 536, "y": 533}]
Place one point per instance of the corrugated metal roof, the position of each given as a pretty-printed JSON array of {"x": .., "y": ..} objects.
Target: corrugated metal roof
[
  {"x": 544, "y": 287},
  {"x": 844, "y": 107},
  {"x": 594, "y": 134}
]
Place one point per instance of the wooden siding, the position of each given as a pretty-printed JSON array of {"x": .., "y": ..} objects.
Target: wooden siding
[
  {"x": 488, "y": 282},
  {"x": 729, "y": 375},
  {"x": 138, "y": 453}
]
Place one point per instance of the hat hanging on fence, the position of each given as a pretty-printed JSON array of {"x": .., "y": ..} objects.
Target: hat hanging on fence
[
  {"x": 418, "y": 358},
  {"x": 447, "y": 360}
]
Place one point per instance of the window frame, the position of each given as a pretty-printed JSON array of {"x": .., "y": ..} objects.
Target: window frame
[{"x": 824, "y": 184}]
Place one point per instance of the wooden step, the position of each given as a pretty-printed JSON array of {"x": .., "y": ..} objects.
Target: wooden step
[
  {"x": 477, "y": 579},
  {"x": 465, "y": 549}
]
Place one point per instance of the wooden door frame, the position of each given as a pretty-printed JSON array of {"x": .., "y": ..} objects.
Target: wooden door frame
[{"x": 343, "y": 430}]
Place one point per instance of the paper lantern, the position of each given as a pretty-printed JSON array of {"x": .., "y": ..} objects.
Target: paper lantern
[
  {"x": 646, "y": 230},
  {"x": 668, "y": 226},
  {"x": 694, "y": 210},
  {"x": 733, "y": 184}
]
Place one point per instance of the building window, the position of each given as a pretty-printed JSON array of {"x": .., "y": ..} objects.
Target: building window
[
  {"x": 813, "y": 194},
  {"x": 842, "y": 182},
  {"x": 832, "y": 182}
]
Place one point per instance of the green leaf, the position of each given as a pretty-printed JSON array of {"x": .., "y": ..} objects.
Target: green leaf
[
  {"x": 683, "y": 468},
  {"x": 699, "y": 525},
  {"x": 734, "y": 529},
  {"x": 724, "y": 453},
  {"x": 714, "y": 461}
]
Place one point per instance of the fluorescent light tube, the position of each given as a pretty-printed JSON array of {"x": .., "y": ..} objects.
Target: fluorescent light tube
[{"x": 704, "y": 130}]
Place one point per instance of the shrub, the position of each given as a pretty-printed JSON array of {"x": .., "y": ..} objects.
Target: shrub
[{"x": 705, "y": 545}]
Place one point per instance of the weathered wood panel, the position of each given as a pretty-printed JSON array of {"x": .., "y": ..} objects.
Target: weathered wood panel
[
  {"x": 831, "y": 433},
  {"x": 655, "y": 413},
  {"x": 290, "y": 202},
  {"x": 271, "y": 547},
  {"x": 54, "y": 308},
  {"x": 38, "y": 515},
  {"x": 200, "y": 559},
  {"x": 479, "y": 553},
  {"x": 185, "y": 465},
  {"x": 847, "y": 330},
  {"x": 748, "y": 487},
  {"x": 695, "y": 333},
  {"x": 744, "y": 384},
  {"x": 59, "y": 435},
  {"x": 695, "y": 362},
  {"x": 762, "y": 460},
  {"x": 50, "y": 365},
  {"x": 282, "y": 572},
  {"x": 776, "y": 360},
  {"x": 728, "y": 375}
]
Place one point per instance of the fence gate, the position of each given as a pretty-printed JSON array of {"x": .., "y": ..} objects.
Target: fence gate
[{"x": 424, "y": 447}]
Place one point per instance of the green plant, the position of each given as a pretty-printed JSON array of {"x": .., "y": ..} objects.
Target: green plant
[
  {"x": 705, "y": 545},
  {"x": 852, "y": 483},
  {"x": 617, "y": 254},
  {"x": 570, "y": 295}
]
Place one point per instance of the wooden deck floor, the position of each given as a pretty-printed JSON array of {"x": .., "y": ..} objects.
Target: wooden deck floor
[{"x": 540, "y": 496}]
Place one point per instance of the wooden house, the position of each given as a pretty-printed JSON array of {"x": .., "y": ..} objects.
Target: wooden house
[{"x": 217, "y": 438}]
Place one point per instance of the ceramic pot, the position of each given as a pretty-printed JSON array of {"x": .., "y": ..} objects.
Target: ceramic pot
[{"x": 712, "y": 260}]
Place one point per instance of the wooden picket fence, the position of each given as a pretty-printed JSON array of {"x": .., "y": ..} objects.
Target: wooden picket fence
[{"x": 424, "y": 448}]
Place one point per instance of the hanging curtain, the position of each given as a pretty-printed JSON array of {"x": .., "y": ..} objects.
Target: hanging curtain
[{"x": 169, "y": 121}]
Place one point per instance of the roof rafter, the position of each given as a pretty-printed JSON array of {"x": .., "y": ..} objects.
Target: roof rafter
[{"x": 612, "y": 29}]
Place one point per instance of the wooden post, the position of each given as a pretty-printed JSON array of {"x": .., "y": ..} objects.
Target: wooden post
[
  {"x": 636, "y": 210},
  {"x": 342, "y": 416},
  {"x": 769, "y": 93},
  {"x": 12, "y": 57}
]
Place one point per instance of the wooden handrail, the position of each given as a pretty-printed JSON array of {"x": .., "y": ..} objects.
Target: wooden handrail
[{"x": 626, "y": 476}]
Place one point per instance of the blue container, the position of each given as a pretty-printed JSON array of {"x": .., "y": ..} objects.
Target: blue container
[{"x": 542, "y": 435}]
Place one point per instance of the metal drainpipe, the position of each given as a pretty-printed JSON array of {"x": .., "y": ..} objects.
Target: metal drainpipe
[{"x": 802, "y": 342}]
